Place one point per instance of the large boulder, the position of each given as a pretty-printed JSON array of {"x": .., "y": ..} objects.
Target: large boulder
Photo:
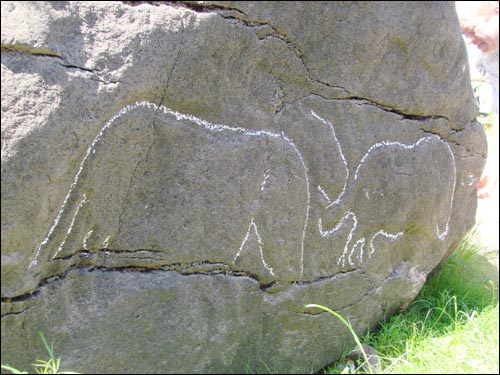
[{"x": 180, "y": 179}]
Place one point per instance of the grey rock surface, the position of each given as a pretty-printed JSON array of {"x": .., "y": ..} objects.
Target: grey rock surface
[{"x": 180, "y": 179}]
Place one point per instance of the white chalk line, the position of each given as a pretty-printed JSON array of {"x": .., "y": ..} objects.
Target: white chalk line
[
  {"x": 360, "y": 242},
  {"x": 325, "y": 195},
  {"x": 327, "y": 233},
  {"x": 444, "y": 234},
  {"x": 82, "y": 202},
  {"x": 87, "y": 236},
  {"x": 264, "y": 181},
  {"x": 219, "y": 128},
  {"x": 261, "y": 243},
  {"x": 179, "y": 116},
  {"x": 381, "y": 232},
  {"x": 344, "y": 161},
  {"x": 105, "y": 243},
  {"x": 441, "y": 235}
]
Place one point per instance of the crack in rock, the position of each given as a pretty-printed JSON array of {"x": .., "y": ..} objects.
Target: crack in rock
[{"x": 100, "y": 259}]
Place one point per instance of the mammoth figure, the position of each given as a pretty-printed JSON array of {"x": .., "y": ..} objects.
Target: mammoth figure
[
  {"x": 188, "y": 192},
  {"x": 396, "y": 184}
]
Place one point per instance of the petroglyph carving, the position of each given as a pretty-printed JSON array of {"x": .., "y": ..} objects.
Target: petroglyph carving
[
  {"x": 392, "y": 160},
  {"x": 405, "y": 174},
  {"x": 268, "y": 189}
]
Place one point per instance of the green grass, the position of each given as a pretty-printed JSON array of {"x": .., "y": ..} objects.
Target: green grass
[
  {"x": 470, "y": 347},
  {"x": 354, "y": 335},
  {"x": 51, "y": 366},
  {"x": 451, "y": 327}
]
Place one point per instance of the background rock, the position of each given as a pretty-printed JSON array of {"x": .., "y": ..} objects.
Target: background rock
[{"x": 178, "y": 180}]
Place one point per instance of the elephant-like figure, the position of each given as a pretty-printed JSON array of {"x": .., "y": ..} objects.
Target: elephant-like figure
[
  {"x": 402, "y": 188},
  {"x": 186, "y": 191}
]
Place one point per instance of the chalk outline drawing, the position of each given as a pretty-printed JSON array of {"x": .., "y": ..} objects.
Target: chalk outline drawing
[
  {"x": 344, "y": 162},
  {"x": 252, "y": 225},
  {"x": 261, "y": 243},
  {"x": 349, "y": 213},
  {"x": 443, "y": 234},
  {"x": 204, "y": 124}
]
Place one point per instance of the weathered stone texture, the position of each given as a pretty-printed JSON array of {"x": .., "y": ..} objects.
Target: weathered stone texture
[{"x": 178, "y": 180}]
